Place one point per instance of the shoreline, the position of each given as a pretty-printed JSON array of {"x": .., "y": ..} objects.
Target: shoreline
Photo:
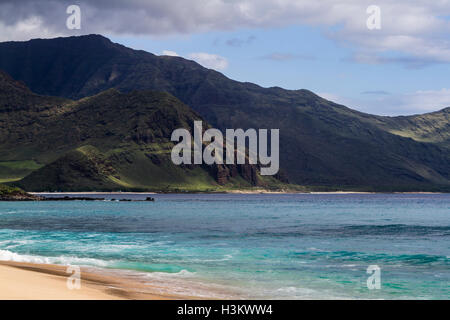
[
  {"x": 92, "y": 192},
  {"x": 30, "y": 281},
  {"x": 231, "y": 192}
]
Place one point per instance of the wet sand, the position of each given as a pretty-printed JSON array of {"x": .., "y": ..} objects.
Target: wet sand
[{"x": 27, "y": 281}]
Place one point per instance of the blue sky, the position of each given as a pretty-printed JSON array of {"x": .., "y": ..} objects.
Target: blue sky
[{"x": 325, "y": 46}]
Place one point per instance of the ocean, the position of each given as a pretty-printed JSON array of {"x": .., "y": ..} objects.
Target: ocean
[{"x": 258, "y": 246}]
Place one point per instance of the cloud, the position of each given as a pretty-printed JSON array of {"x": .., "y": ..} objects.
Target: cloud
[
  {"x": 208, "y": 60},
  {"x": 425, "y": 100},
  {"x": 416, "y": 30},
  {"x": 239, "y": 42},
  {"x": 277, "y": 56},
  {"x": 29, "y": 28},
  {"x": 417, "y": 102},
  {"x": 170, "y": 53},
  {"x": 376, "y": 92},
  {"x": 410, "y": 62}
]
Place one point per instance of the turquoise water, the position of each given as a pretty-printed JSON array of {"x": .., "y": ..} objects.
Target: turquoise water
[{"x": 247, "y": 246}]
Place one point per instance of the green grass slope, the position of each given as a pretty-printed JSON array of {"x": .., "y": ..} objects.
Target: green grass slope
[{"x": 432, "y": 127}]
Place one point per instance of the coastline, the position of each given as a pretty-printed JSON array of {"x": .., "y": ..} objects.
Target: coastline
[
  {"x": 91, "y": 192},
  {"x": 230, "y": 192},
  {"x": 28, "y": 281}
]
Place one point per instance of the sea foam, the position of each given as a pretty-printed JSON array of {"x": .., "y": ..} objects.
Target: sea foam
[{"x": 6, "y": 255}]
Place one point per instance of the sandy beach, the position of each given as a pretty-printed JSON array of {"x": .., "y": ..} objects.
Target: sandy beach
[{"x": 26, "y": 281}]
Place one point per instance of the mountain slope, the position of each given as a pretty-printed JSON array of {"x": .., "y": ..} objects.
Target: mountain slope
[
  {"x": 321, "y": 143},
  {"x": 110, "y": 141},
  {"x": 432, "y": 127}
]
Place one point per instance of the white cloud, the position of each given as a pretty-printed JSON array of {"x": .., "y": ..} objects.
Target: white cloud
[
  {"x": 208, "y": 60},
  {"x": 170, "y": 53},
  {"x": 32, "y": 27}
]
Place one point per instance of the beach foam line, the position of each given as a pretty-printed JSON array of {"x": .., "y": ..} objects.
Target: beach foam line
[
  {"x": 181, "y": 283},
  {"x": 6, "y": 255}
]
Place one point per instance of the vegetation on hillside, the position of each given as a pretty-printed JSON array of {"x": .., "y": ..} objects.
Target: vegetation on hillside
[
  {"x": 14, "y": 194},
  {"x": 111, "y": 141}
]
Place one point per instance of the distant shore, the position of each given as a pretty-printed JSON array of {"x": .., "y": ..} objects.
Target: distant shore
[
  {"x": 90, "y": 192},
  {"x": 43, "y": 196},
  {"x": 27, "y": 281},
  {"x": 229, "y": 192}
]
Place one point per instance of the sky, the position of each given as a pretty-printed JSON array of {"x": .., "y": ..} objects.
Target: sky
[{"x": 391, "y": 59}]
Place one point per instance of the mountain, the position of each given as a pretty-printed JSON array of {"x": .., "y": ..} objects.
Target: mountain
[
  {"x": 110, "y": 141},
  {"x": 322, "y": 144}
]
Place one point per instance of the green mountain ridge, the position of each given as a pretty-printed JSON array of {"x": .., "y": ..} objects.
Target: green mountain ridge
[
  {"x": 322, "y": 144},
  {"x": 432, "y": 127},
  {"x": 110, "y": 141}
]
